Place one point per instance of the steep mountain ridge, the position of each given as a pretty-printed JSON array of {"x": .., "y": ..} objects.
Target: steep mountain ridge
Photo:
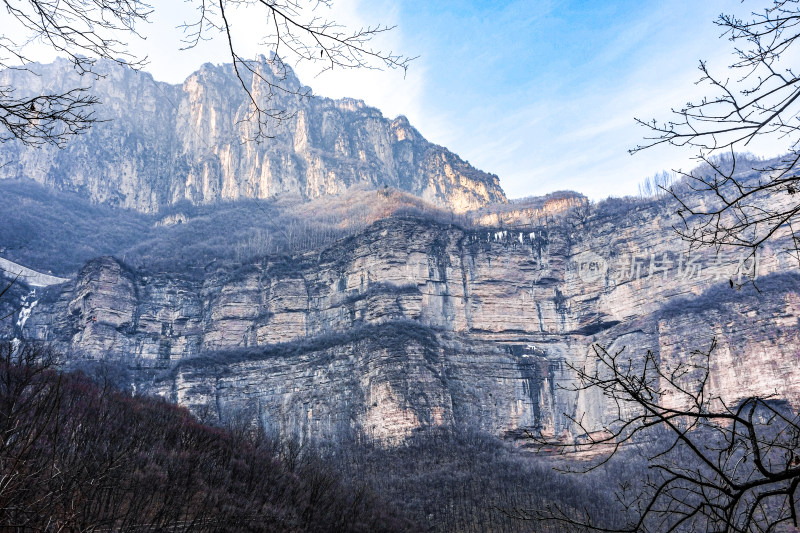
[
  {"x": 414, "y": 323},
  {"x": 161, "y": 144},
  {"x": 331, "y": 308}
]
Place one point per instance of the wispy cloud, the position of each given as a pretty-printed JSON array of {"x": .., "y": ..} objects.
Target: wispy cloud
[{"x": 572, "y": 127}]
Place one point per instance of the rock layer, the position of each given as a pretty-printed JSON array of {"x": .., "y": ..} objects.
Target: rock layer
[{"x": 412, "y": 324}]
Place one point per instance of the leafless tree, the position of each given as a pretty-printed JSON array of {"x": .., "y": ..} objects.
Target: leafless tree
[
  {"x": 88, "y": 30},
  {"x": 83, "y": 30},
  {"x": 656, "y": 186},
  {"x": 758, "y": 98},
  {"x": 713, "y": 466}
]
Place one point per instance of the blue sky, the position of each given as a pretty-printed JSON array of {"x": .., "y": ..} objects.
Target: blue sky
[{"x": 542, "y": 93}]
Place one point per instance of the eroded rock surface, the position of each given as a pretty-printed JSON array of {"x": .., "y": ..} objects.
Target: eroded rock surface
[
  {"x": 166, "y": 143},
  {"x": 412, "y": 324}
]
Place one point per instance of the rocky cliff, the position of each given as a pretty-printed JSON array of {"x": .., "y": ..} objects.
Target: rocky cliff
[
  {"x": 162, "y": 143},
  {"x": 414, "y": 323}
]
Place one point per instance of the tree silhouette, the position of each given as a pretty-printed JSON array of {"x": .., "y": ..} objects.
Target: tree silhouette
[
  {"x": 758, "y": 98},
  {"x": 712, "y": 466}
]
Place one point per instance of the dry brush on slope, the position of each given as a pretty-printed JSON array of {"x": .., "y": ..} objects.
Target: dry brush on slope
[{"x": 78, "y": 456}]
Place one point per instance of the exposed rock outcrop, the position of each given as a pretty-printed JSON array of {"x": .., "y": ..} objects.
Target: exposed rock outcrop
[
  {"x": 408, "y": 324},
  {"x": 165, "y": 143},
  {"x": 412, "y": 324}
]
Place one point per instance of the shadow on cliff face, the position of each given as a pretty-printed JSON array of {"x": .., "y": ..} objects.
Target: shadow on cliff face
[
  {"x": 723, "y": 295},
  {"x": 392, "y": 335}
]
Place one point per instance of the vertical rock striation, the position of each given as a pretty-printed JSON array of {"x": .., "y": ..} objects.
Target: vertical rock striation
[
  {"x": 165, "y": 143},
  {"x": 412, "y": 324}
]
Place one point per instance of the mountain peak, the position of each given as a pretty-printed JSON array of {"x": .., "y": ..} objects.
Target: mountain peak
[{"x": 165, "y": 143}]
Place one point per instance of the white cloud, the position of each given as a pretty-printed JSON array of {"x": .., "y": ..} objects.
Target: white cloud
[{"x": 581, "y": 140}]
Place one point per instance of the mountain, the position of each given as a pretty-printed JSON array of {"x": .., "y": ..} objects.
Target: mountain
[
  {"x": 348, "y": 278},
  {"x": 159, "y": 144},
  {"x": 415, "y": 322}
]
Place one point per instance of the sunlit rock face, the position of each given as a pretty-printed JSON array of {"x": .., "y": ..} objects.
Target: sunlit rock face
[
  {"x": 414, "y": 324},
  {"x": 165, "y": 143},
  {"x": 408, "y": 324}
]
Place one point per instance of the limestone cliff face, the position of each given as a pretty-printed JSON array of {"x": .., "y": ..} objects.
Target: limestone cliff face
[
  {"x": 165, "y": 143},
  {"x": 412, "y": 324}
]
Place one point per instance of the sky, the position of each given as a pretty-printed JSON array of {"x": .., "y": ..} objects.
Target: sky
[{"x": 542, "y": 93}]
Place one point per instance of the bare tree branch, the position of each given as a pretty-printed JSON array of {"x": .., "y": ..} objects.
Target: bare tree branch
[
  {"x": 293, "y": 31},
  {"x": 81, "y": 30},
  {"x": 741, "y": 207},
  {"x": 87, "y": 30},
  {"x": 712, "y": 466}
]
